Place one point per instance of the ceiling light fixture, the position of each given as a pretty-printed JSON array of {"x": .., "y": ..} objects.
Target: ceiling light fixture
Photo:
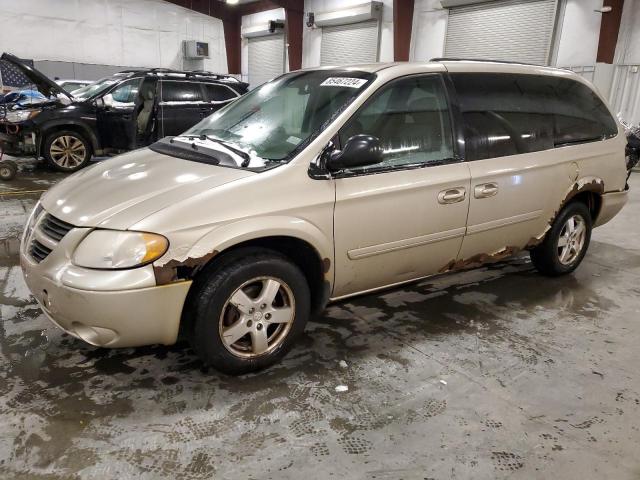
[{"x": 232, "y": 2}]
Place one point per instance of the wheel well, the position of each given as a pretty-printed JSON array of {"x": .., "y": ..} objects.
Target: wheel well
[
  {"x": 70, "y": 127},
  {"x": 301, "y": 253},
  {"x": 592, "y": 200}
]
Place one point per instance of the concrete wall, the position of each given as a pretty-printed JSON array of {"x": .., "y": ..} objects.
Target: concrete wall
[
  {"x": 429, "y": 29},
  {"x": 578, "y": 33},
  {"x": 132, "y": 33},
  {"x": 625, "y": 89},
  {"x": 251, "y": 21},
  {"x": 312, "y": 38}
]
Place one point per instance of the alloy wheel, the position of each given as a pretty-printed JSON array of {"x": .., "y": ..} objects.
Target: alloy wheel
[
  {"x": 572, "y": 239},
  {"x": 67, "y": 151},
  {"x": 257, "y": 317}
]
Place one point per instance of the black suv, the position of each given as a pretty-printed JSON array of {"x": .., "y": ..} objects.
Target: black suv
[{"x": 130, "y": 109}]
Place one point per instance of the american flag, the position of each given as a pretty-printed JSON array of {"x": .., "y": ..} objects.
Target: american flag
[{"x": 11, "y": 76}]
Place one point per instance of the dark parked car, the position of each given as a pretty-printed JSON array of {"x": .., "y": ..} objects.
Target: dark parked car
[{"x": 130, "y": 109}]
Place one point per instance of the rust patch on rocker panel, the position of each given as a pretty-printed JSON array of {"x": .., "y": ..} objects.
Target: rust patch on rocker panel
[{"x": 479, "y": 259}]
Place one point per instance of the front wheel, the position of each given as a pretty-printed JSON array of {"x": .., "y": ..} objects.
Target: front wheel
[
  {"x": 566, "y": 243},
  {"x": 67, "y": 151},
  {"x": 248, "y": 313}
]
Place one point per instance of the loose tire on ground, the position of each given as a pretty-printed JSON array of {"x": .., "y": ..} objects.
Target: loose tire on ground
[
  {"x": 8, "y": 170},
  {"x": 67, "y": 151},
  {"x": 247, "y": 310},
  {"x": 566, "y": 243}
]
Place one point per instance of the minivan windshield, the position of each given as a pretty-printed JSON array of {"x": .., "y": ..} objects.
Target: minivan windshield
[
  {"x": 96, "y": 88},
  {"x": 269, "y": 125}
]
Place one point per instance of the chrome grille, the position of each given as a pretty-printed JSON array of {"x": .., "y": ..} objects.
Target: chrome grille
[
  {"x": 38, "y": 251},
  {"x": 54, "y": 228},
  {"x": 50, "y": 230}
]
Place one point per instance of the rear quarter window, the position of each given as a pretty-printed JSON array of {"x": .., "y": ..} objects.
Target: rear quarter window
[
  {"x": 180, "y": 92},
  {"x": 509, "y": 114},
  {"x": 579, "y": 114},
  {"x": 219, "y": 93}
]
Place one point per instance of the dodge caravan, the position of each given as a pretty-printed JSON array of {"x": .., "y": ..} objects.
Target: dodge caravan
[{"x": 320, "y": 185}]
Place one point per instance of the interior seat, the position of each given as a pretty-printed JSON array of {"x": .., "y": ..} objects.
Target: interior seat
[{"x": 145, "y": 112}]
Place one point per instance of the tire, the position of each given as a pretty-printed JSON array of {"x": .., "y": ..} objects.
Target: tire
[
  {"x": 8, "y": 170},
  {"x": 67, "y": 151},
  {"x": 235, "y": 303},
  {"x": 551, "y": 257}
]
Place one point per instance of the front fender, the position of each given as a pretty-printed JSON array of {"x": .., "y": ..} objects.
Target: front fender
[
  {"x": 216, "y": 240},
  {"x": 46, "y": 127}
]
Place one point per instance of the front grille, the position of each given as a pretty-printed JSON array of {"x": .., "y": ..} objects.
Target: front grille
[
  {"x": 38, "y": 251},
  {"x": 54, "y": 229}
]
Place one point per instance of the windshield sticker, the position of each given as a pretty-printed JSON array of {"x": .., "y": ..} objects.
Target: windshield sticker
[
  {"x": 293, "y": 140},
  {"x": 343, "y": 82}
]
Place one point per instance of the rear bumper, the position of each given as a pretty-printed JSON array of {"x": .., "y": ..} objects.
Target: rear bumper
[{"x": 612, "y": 203}]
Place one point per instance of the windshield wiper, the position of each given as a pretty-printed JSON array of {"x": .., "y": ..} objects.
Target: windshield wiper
[{"x": 246, "y": 158}]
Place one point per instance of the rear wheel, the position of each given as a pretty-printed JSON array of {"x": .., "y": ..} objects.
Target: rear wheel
[
  {"x": 248, "y": 312},
  {"x": 566, "y": 243},
  {"x": 67, "y": 151}
]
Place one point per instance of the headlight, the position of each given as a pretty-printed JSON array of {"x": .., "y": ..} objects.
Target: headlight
[
  {"x": 37, "y": 210},
  {"x": 111, "y": 249},
  {"x": 17, "y": 116}
]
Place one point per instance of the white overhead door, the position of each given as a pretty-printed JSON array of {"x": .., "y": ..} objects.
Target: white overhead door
[
  {"x": 266, "y": 58},
  {"x": 513, "y": 30},
  {"x": 352, "y": 43}
]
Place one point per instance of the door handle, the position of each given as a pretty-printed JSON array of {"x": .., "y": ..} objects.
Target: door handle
[
  {"x": 452, "y": 195},
  {"x": 485, "y": 190}
]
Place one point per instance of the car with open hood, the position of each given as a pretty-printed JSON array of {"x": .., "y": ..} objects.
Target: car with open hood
[
  {"x": 317, "y": 186},
  {"x": 128, "y": 110}
]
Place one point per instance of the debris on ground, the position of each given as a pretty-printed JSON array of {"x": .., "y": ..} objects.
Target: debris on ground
[{"x": 342, "y": 388}]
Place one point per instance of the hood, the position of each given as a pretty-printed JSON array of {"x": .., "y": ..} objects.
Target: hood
[
  {"x": 119, "y": 192},
  {"x": 45, "y": 85}
]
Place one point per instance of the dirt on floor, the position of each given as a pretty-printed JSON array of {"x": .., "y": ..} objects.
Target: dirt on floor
[{"x": 491, "y": 373}]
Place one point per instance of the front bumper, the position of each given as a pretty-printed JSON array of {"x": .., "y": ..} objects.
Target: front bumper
[
  {"x": 106, "y": 308},
  {"x": 612, "y": 203}
]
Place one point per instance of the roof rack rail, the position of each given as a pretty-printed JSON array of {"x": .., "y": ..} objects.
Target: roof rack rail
[
  {"x": 186, "y": 73},
  {"x": 488, "y": 60}
]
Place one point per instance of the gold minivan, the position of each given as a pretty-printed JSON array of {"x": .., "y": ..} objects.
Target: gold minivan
[{"x": 319, "y": 185}]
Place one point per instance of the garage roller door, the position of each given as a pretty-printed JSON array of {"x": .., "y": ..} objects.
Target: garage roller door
[
  {"x": 353, "y": 43},
  {"x": 513, "y": 30},
  {"x": 266, "y": 58}
]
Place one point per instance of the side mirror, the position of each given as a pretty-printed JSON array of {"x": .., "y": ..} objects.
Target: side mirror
[
  {"x": 359, "y": 151},
  {"x": 107, "y": 101}
]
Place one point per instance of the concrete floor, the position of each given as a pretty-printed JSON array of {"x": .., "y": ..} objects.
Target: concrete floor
[{"x": 492, "y": 373}]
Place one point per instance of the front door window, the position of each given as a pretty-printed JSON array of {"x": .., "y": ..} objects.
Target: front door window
[
  {"x": 126, "y": 94},
  {"x": 411, "y": 119}
]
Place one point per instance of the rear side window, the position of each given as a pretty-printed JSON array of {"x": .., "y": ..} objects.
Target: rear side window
[
  {"x": 180, "y": 92},
  {"x": 509, "y": 114},
  {"x": 219, "y": 93}
]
